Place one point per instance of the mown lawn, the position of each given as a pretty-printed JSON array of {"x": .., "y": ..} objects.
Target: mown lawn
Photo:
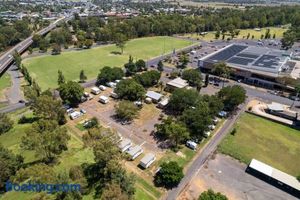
[
  {"x": 243, "y": 33},
  {"x": 44, "y": 69},
  {"x": 264, "y": 140}
]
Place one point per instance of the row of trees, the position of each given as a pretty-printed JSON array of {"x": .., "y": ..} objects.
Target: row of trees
[
  {"x": 225, "y": 20},
  {"x": 193, "y": 113}
]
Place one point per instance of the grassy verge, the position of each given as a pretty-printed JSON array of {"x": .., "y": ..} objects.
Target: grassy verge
[
  {"x": 5, "y": 82},
  {"x": 264, "y": 140},
  {"x": 44, "y": 68}
]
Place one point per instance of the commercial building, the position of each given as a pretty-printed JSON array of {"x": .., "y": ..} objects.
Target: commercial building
[
  {"x": 254, "y": 64},
  {"x": 274, "y": 176}
]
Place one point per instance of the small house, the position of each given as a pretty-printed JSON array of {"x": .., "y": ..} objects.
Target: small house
[
  {"x": 95, "y": 90},
  {"x": 163, "y": 103},
  {"x": 147, "y": 160},
  {"x": 154, "y": 96},
  {"x": 103, "y": 99},
  {"x": 134, "y": 152},
  {"x": 125, "y": 145}
]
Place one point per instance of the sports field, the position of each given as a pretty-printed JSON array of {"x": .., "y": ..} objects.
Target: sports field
[
  {"x": 264, "y": 140},
  {"x": 278, "y": 31},
  {"x": 44, "y": 69}
]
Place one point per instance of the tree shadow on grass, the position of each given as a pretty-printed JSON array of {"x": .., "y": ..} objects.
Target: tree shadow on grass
[{"x": 115, "y": 52}]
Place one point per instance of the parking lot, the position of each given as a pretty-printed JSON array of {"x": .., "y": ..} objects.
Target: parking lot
[{"x": 226, "y": 175}]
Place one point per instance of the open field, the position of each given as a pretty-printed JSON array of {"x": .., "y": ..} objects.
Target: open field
[
  {"x": 44, "y": 68},
  {"x": 278, "y": 31},
  {"x": 264, "y": 140}
]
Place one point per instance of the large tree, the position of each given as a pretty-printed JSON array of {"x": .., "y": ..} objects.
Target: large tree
[
  {"x": 182, "y": 99},
  {"x": 129, "y": 89},
  {"x": 9, "y": 164},
  {"x": 107, "y": 168},
  {"x": 82, "y": 76},
  {"x": 5, "y": 123},
  {"x": 232, "y": 96},
  {"x": 46, "y": 138},
  {"x": 47, "y": 107},
  {"x": 120, "y": 40},
  {"x": 211, "y": 195},
  {"x": 108, "y": 74},
  {"x": 169, "y": 175},
  {"x": 148, "y": 79},
  {"x": 193, "y": 76},
  {"x": 126, "y": 110},
  {"x": 197, "y": 119},
  {"x": 173, "y": 130},
  {"x": 71, "y": 92},
  {"x": 221, "y": 69}
]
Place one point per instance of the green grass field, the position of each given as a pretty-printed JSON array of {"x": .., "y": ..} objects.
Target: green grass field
[
  {"x": 243, "y": 33},
  {"x": 44, "y": 69},
  {"x": 5, "y": 83},
  {"x": 264, "y": 140}
]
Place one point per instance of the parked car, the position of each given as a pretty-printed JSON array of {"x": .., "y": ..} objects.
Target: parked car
[
  {"x": 125, "y": 122},
  {"x": 82, "y": 111}
]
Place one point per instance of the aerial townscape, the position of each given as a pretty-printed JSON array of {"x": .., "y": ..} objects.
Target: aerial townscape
[{"x": 149, "y": 99}]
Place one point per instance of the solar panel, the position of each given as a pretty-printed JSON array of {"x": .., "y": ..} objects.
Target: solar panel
[
  {"x": 267, "y": 61},
  {"x": 240, "y": 60},
  {"x": 227, "y": 53},
  {"x": 246, "y": 55}
]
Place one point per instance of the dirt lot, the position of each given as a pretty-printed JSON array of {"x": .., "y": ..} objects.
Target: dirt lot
[
  {"x": 139, "y": 131},
  {"x": 228, "y": 176}
]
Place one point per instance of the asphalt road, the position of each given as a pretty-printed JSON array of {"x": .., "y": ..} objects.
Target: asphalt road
[{"x": 205, "y": 153}]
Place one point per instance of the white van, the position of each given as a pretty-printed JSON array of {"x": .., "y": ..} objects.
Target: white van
[{"x": 103, "y": 99}]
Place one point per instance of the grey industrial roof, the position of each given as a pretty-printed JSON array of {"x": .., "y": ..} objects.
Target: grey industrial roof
[
  {"x": 147, "y": 158},
  {"x": 153, "y": 95},
  {"x": 275, "y": 174},
  {"x": 250, "y": 57}
]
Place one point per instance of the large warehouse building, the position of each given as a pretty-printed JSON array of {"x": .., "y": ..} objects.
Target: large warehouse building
[
  {"x": 254, "y": 64},
  {"x": 275, "y": 177}
]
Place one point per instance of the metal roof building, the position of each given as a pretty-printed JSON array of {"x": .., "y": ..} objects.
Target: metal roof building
[
  {"x": 154, "y": 95},
  {"x": 135, "y": 151},
  {"x": 279, "y": 176},
  {"x": 178, "y": 83},
  {"x": 147, "y": 160},
  {"x": 256, "y": 59}
]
